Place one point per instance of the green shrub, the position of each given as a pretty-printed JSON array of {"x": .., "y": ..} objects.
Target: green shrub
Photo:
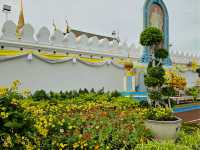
[
  {"x": 151, "y": 36},
  {"x": 194, "y": 92},
  {"x": 160, "y": 114},
  {"x": 15, "y": 123},
  {"x": 156, "y": 72},
  {"x": 164, "y": 145},
  {"x": 115, "y": 94},
  {"x": 84, "y": 94},
  {"x": 198, "y": 71},
  {"x": 88, "y": 121},
  {"x": 190, "y": 128},
  {"x": 40, "y": 95},
  {"x": 161, "y": 53},
  {"x": 190, "y": 140},
  {"x": 154, "y": 80}
]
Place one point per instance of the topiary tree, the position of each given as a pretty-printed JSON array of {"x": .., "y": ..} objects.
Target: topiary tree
[
  {"x": 168, "y": 92},
  {"x": 154, "y": 79},
  {"x": 198, "y": 71},
  {"x": 151, "y": 38}
]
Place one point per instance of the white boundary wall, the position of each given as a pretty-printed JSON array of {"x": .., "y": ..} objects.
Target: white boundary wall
[
  {"x": 64, "y": 76},
  {"x": 191, "y": 78}
]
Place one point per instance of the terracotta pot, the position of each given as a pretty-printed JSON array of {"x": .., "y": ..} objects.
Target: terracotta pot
[{"x": 164, "y": 130}]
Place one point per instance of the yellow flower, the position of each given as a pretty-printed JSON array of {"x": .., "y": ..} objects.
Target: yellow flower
[
  {"x": 26, "y": 92},
  {"x": 7, "y": 142},
  {"x": 70, "y": 127},
  {"x": 61, "y": 130},
  {"x": 4, "y": 115},
  {"x": 3, "y": 91},
  {"x": 62, "y": 145},
  {"x": 75, "y": 145},
  {"x": 15, "y": 85}
]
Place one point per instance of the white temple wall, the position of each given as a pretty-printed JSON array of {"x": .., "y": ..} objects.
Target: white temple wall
[
  {"x": 64, "y": 76},
  {"x": 191, "y": 78}
]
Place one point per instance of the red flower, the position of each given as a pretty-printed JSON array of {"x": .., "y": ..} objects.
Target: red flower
[{"x": 87, "y": 136}]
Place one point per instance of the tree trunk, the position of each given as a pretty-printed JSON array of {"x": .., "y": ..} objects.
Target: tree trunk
[
  {"x": 152, "y": 55},
  {"x": 169, "y": 103}
]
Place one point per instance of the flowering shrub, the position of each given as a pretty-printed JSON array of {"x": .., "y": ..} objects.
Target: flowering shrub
[
  {"x": 63, "y": 95},
  {"x": 186, "y": 141},
  {"x": 88, "y": 121},
  {"x": 175, "y": 80},
  {"x": 85, "y": 124},
  {"x": 91, "y": 120},
  {"x": 16, "y": 124},
  {"x": 160, "y": 114}
]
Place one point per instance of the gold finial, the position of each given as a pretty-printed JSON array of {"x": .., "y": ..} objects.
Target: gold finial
[
  {"x": 67, "y": 28},
  {"x": 21, "y": 21},
  {"x": 54, "y": 25},
  {"x": 128, "y": 64}
]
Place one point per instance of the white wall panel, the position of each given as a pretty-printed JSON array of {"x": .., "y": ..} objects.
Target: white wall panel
[
  {"x": 191, "y": 78},
  {"x": 65, "y": 76}
]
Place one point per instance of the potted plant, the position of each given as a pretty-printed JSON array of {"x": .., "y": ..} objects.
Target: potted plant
[{"x": 160, "y": 118}]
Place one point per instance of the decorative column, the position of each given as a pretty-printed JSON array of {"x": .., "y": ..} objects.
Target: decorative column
[{"x": 129, "y": 76}]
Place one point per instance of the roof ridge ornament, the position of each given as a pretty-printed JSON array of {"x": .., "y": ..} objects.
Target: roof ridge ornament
[
  {"x": 67, "y": 27},
  {"x": 21, "y": 21},
  {"x": 54, "y": 25}
]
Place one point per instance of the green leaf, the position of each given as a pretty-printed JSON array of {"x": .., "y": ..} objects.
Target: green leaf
[
  {"x": 13, "y": 124},
  {"x": 151, "y": 36}
]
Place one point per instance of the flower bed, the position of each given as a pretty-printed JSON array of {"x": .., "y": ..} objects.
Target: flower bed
[
  {"x": 88, "y": 120},
  {"x": 83, "y": 124},
  {"x": 85, "y": 121}
]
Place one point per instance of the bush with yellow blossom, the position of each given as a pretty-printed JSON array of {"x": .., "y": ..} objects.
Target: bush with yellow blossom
[
  {"x": 175, "y": 80},
  {"x": 89, "y": 120},
  {"x": 86, "y": 120},
  {"x": 15, "y": 123}
]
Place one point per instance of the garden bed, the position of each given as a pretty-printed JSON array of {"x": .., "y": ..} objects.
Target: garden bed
[{"x": 88, "y": 120}]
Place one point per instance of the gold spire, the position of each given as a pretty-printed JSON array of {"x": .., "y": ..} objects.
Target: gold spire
[
  {"x": 54, "y": 25},
  {"x": 67, "y": 28},
  {"x": 21, "y": 21}
]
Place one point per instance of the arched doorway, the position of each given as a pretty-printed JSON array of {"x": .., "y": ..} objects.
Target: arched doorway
[{"x": 156, "y": 14}]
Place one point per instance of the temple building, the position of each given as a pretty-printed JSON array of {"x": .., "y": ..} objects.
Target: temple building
[{"x": 70, "y": 59}]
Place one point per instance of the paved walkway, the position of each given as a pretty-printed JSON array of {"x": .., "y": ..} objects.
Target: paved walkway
[{"x": 190, "y": 116}]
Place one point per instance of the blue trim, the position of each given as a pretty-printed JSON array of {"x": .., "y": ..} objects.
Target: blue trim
[
  {"x": 141, "y": 86},
  {"x": 129, "y": 83},
  {"x": 134, "y": 93},
  {"x": 187, "y": 108},
  {"x": 139, "y": 96},
  {"x": 146, "y": 13}
]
